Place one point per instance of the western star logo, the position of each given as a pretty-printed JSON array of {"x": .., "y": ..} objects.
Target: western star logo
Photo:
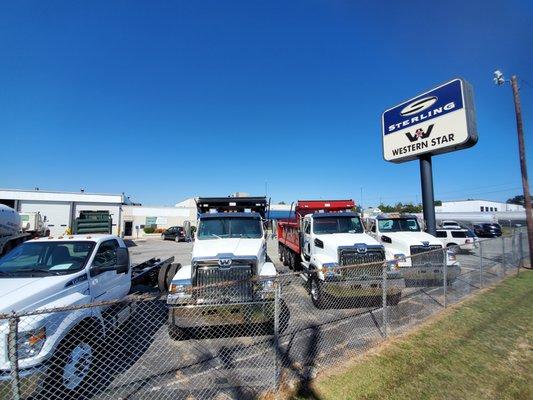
[{"x": 419, "y": 134}]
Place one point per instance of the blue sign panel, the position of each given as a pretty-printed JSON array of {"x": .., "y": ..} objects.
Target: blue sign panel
[{"x": 433, "y": 104}]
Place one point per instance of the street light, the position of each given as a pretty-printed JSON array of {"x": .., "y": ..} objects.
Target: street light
[{"x": 500, "y": 80}]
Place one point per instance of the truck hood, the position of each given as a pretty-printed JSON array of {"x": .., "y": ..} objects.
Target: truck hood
[
  {"x": 237, "y": 246},
  {"x": 25, "y": 294},
  {"x": 403, "y": 241},
  {"x": 335, "y": 240}
]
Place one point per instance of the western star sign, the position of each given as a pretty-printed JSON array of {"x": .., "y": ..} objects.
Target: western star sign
[{"x": 438, "y": 121}]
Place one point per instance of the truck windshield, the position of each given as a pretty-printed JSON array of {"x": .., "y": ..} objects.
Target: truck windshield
[
  {"x": 47, "y": 258},
  {"x": 398, "y": 225},
  {"x": 326, "y": 225},
  {"x": 227, "y": 227}
]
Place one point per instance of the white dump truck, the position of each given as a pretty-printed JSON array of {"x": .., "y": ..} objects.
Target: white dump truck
[
  {"x": 57, "y": 350},
  {"x": 341, "y": 264},
  {"x": 11, "y": 233},
  {"x": 230, "y": 281},
  {"x": 420, "y": 256}
]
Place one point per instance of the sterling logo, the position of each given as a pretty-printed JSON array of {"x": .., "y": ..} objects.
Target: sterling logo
[
  {"x": 417, "y": 106},
  {"x": 419, "y": 134},
  {"x": 224, "y": 262}
]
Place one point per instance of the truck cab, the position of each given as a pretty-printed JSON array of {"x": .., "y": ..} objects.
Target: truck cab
[
  {"x": 341, "y": 264},
  {"x": 230, "y": 280},
  {"x": 57, "y": 349},
  {"x": 420, "y": 256}
]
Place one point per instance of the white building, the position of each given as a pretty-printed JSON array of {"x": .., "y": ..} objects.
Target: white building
[
  {"x": 62, "y": 208},
  {"x": 484, "y": 206}
]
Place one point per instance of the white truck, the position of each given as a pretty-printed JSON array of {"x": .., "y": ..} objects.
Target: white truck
[
  {"x": 34, "y": 224},
  {"x": 11, "y": 233},
  {"x": 420, "y": 256},
  {"x": 230, "y": 281},
  {"x": 342, "y": 265},
  {"x": 57, "y": 350}
]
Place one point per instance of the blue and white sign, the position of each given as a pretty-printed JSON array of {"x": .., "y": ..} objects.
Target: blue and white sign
[{"x": 438, "y": 121}]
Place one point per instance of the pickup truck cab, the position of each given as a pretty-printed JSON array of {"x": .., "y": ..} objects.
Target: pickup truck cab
[
  {"x": 420, "y": 256},
  {"x": 57, "y": 349},
  {"x": 229, "y": 282}
]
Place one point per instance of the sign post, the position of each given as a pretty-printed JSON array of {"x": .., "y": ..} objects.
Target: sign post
[{"x": 438, "y": 121}]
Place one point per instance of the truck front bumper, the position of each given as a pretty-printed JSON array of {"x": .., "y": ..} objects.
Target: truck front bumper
[
  {"x": 430, "y": 274},
  {"x": 30, "y": 381},
  {"x": 200, "y": 315},
  {"x": 363, "y": 288}
]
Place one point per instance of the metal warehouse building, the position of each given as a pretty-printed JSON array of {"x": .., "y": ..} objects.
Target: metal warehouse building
[
  {"x": 62, "y": 208},
  {"x": 476, "y": 206}
]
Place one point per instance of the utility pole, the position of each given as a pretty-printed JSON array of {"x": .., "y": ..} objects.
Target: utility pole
[{"x": 499, "y": 80}]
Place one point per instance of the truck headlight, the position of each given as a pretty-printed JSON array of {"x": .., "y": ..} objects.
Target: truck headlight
[
  {"x": 31, "y": 342},
  {"x": 451, "y": 256},
  {"x": 330, "y": 269},
  {"x": 267, "y": 289},
  {"x": 181, "y": 289}
]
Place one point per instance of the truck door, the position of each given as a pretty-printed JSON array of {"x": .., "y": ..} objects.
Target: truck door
[
  {"x": 306, "y": 246},
  {"x": 108, "y": 285}
]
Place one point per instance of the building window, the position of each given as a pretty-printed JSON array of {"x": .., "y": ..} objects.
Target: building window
[
  {"x": 481, "y": 208},
  {"x": 496, "y": 209}
]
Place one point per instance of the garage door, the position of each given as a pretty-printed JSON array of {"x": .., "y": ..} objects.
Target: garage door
[{"x": 57, "y": 214}]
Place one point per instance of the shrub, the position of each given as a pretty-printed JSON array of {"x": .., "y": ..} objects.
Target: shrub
[{"x": 149, "y": 229}]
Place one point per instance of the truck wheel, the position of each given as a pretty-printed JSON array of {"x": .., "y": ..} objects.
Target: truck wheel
[
  {"x": 280, "y": 253},
  {"x": 394, "y": 299},
  {"x": 291, "y": 260},
  {"x": 286, "y": 255},
  {"x": 73, "y": 365},
  {"x": 177, "y": 333},
  {"x": 171, "y": 272},
  {"x": 317, "y": 293},
  {"x": 162, "y": 278}
]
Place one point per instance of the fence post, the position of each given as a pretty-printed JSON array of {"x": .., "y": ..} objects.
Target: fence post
[
  {"x": 445, "y": 276},
  {"x": 521, "y": 254},
  {"x": 385, "y": 321},
  {"x": 12, "y": 345},
  {"x": 504, "y": 267},
  {"x": 277, "y": 294},
  {"x": 481, "y": 263}
]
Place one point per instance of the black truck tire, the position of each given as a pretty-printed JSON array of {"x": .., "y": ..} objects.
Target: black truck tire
[
  {"x": 318, "y": 297},
  {"x": 162, "y": 278},
  {"x": 171, "y": 272}
]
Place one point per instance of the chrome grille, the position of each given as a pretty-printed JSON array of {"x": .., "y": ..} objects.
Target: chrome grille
[
  {"x": 224, "y": 285},
  {"x": 421, "y": 257},
  {"x": 352, "y": 257}
]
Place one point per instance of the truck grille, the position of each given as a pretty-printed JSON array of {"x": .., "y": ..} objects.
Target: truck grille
[
  {"x": 352, "y": 257},
  {"x": 421, "y": 257},
  {"x": 224, "y": 285}
]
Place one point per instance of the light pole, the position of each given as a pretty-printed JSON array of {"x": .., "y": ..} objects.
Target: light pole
[{"x": 500, "y": 80}]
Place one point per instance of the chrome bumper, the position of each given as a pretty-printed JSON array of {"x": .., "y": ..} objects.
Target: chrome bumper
[
  {"x": 30, "y": 380},
  {"x": 367, "y": 288},
  {"x": 415, "y": 276},
  {"x": 196, "y": 316}
]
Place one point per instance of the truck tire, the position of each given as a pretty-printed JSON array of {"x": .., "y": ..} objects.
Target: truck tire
[
  {"x": 318, "y": 296},
  {"x": 394, "y": 299},
  {"x": 290, "y": 255},
  {"x": 177, "y": 333},
  {"x": 162, "y": 278},
  {"x": 286, "y": 254},
  {"x": 171, "y": 272},
  {"x": 73, "y": 365}
]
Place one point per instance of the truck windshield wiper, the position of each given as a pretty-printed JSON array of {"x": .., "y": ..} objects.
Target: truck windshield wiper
[{"x": 32, "y": 270}]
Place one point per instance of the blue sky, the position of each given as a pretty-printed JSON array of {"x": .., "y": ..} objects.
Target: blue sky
[{"x": 167, "y": 100}]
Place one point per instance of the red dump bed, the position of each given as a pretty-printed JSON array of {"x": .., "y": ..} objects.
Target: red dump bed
[{"x": 289, "y": 229}]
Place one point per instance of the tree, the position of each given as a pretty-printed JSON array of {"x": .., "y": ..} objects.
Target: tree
[
  {"x": 282, "y": 203},
  {"x": 437, "y": 203},
  {"x": 518, "y": 199}
]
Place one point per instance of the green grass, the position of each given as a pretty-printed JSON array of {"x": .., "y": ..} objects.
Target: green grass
[{"x": 482, "y": 349}]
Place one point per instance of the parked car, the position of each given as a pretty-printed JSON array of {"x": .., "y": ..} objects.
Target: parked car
[
  {"x": 488, "y": 230},
  {"x": 176, "y": 233},
  {"x": 450, "y": 225},
  {"x": 458, "y": 237}
]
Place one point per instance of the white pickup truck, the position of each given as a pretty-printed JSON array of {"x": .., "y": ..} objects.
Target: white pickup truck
[
  {"x": 420, "y": 256},
  {"x": 57, "y": 350},
  {"x": 229, "y": 281}
]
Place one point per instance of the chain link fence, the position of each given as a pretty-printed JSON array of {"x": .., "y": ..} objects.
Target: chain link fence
[{"x": 242, "y": 338}]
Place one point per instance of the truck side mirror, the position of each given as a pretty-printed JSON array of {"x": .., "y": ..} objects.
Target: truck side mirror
[{"x": 123, "y": 260}]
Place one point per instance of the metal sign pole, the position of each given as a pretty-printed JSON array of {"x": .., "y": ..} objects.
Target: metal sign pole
[{"x": 428, "y": 197}]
